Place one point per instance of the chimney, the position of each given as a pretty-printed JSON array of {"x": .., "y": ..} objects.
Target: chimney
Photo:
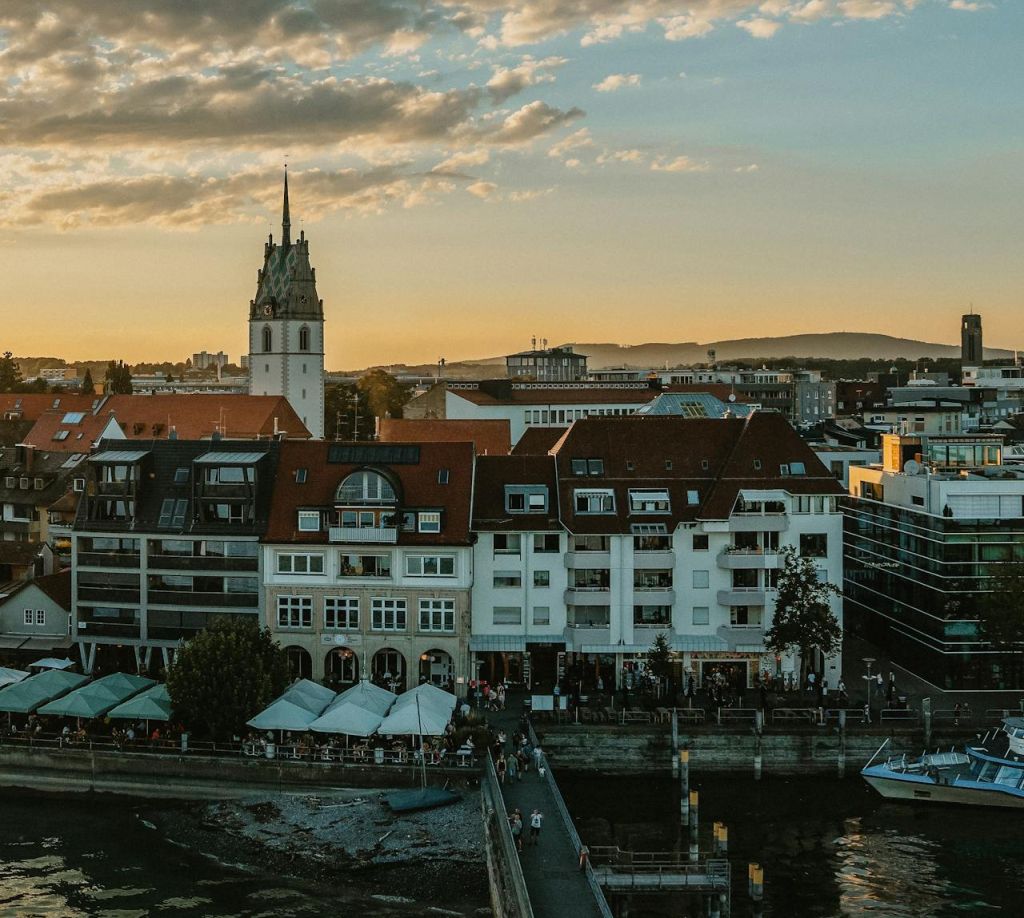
[
  {"x": 172, "y": 434},
  {"x": 275, "y": 425}
]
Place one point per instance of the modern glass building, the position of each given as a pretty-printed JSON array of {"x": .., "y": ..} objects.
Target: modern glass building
[{"x": 925, "y": 534}]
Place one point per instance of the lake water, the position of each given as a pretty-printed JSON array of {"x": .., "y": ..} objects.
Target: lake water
[
  {"x": 75, "y": 857},
  {"x": 828, "y": 847}
]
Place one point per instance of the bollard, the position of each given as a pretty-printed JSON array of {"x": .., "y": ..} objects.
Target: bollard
[
  {"x": 721, "y": 840},
  {"x": 684, "y": 787},
  {"x": 675, "y": 765},
  {"x": 755, "y": 886},
  {"x": 694, "y": 838},
  {"x": 926, "y": 716}
]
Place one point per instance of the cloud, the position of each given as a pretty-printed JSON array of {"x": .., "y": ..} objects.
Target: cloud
[
  {"x": 575, "y": 141},
  {"x": 529, "y": 122},
  {"x": 969, "y": 6},
  {"x": 868, "y": 9},
  {"x": 507, "y": 82},
  {"x": 457, "y": 163},
  {"x": 482, "y": 190},
  {"x": 751, "y": 167},
  {"x": 615, "y": 81},
  {"x": 621, "y": 156},
  {"x": 679, "y": 164},
  {"x": 760, "y": 27},
  {"x": 194, "y": 200}
]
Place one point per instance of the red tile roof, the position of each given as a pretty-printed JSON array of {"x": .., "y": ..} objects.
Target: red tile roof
[
  {"x": 420, "y": 486},
  {"x": 30, "y": 406},
  {"x": 492, "y": 437},
  {"x": 192, "y": 417}
]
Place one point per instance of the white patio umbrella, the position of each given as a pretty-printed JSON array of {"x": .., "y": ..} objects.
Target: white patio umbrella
[
  {"x": 347, "y": 718},
  {"x": 415, "y": 720},
  {"x": 366, "y": 695},
  {"x": 10, "y": 676},
  {"x": 283, "y": 715},
  {"x": 428, "y": 694}
]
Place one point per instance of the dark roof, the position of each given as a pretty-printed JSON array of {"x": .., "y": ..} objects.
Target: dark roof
[
  {"x": 159, "y": 482},
  {"x": 19, "y": 554},
  {"x": 493, "y": 473},
  {"x": 13, "y": 432},
  {"x": 716, "y": 458},
  {"x": 538, "y": 441},
  {"x": 53, "y": 469},
  {"x": 57, "y": 587},
  {"x": 489, "y": 436},
  {"x": 414, "y": 466}
]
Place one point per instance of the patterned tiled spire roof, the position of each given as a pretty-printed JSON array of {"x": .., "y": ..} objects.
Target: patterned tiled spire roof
[{"x": 286, "y": 285}]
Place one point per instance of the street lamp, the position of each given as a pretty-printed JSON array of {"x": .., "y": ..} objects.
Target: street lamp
[{"x": 867, "y": 678}]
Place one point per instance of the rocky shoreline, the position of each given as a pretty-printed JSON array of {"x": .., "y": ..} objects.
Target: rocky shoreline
[{"x": 347, "y": 838}]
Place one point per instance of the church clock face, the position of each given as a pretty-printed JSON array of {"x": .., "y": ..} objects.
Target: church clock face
[{"x": 268, "y": 310}]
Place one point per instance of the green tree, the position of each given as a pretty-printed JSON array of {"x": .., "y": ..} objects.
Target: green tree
[
  {"x": 660, "y": 659},
  {"x": 119, "y": 378},
  {"x": 347, "y": 414},
  {"x": 88, "y": 387},
  {"x": 803, "y": 619},
  {"x": 1001, "y": 611},
  {"x": 10, "y": 373},
  {"x": 385, "y": 395},
  {"x": 225, "y": 675}
]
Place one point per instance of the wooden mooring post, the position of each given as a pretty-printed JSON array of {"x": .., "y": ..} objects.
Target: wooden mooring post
[
  {"x": 755, "y": 886},
  {"x": 694, "y": 827},
  {"x": 684, "y": 787}
]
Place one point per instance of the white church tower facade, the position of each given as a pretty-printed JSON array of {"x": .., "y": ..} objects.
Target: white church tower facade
[{"x": 286, "y": 328}]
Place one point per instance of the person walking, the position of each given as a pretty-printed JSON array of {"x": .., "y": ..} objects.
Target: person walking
[
  {"x": 501, "y": 767},
  {"x": 511, "y": 767},
  {"x": 516, "y": 824},
  {"x": 538, "y": 758},
  {"x": 536, "y": 821}
]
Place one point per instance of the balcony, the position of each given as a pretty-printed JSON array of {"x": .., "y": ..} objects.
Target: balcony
[
  {"x": 201, "y": 563},
  {"x": 106, "y": 559},
  {"x": 647, "y": 560},
  {"x": 742, "y": 596},
  {"x": 94, "y": 629},
  {"x": 588, "y": 596},
  {"x": 587, "y": 559},
  {"x": 653, "y": 596},
  {"x": 114, "y": 488},
  {"x": 386, "y": 535},
  {"x": 758, "y": 522},
  {"x": 749, "y": 559},
  {"x": 107, "y": 595},
  {"x": 191, "y": 599}
]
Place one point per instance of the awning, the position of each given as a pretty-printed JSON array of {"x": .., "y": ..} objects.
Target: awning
[
  {"x": 224, "y": 457},
  {"x": 120, "y": 456},
  {"x": 743, "y": 640},
  {"x": 57, "y": 642},
  {"x": 615, "y": 648},
  {"x": 699, "y": 644},
  {"x": 509, "y": 643},
  {"x": 52, "y": 663},
  {"x": 12, "y": 643},
  {"x": 763, "y": 494}
]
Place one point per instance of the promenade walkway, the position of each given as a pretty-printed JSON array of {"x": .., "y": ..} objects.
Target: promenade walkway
[{"x": 558, "y": 888}]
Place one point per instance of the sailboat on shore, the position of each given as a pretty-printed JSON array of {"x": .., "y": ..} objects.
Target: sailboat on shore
[{"x": 423, "y": 797}]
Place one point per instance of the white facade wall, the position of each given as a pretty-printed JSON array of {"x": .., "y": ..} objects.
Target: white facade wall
[
  {"x": 520, "y": 417},
  {"x": 285, "y": 370}
]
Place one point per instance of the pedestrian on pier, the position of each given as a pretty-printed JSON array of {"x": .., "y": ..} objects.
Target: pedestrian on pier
[
  {"x": 538, "y": 756},
  {"x": 501, "y": 767},
  {"x": 536, "y": 821},
  {"x": 515, "y": 821},
  {"x": 512, "y": 767}
]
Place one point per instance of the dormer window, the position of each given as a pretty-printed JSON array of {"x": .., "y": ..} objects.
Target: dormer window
[
  {"x": 587, "y": 466},
  {"x": 230, "y": 474},
  {"x": 649, "y": 500},
  {"x": 309, "y": 521},
  {"x": 368, "y": 488},
  {"x": 593, "y": 500},
  {"x": 526, "y": 498}
]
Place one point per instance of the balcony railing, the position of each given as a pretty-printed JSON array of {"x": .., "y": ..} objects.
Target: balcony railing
[
  {"x": 581, "y": 596},
  {"x": 107, "y": 559},
  {"x": 381, "y": 535},
  {"x": 108, "y": 629},
  {"x": 107, "y": 594},
  {"x": 732, "y": 559},
  {"x": 588, "y": 559},
  {"x": 189, "y": 598},
  {"x": 742, "y": 596},
  {"x": 201, "y": 563}
]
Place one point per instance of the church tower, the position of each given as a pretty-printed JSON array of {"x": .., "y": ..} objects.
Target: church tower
[{"x": 286, "y": 327}]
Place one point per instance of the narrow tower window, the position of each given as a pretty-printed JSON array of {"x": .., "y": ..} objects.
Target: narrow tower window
[
  {"x": 268, "y": 339},
  {"x": 304, "y": 338}
]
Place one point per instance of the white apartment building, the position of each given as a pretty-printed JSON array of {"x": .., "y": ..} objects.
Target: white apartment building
[
  {"x": 633, "y": 527},
  {"x": 368, "y": 563}
]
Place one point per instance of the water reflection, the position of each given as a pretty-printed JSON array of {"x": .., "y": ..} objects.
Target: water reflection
[{"x": 829, "y": 848}]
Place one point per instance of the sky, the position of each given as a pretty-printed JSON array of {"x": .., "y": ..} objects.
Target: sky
[{"x": 471, "y": 173}]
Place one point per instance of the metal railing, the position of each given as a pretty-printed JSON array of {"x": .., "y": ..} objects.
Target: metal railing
[
  {"x": 508, "y": 882},
  {"x": 570, "y": 828}
]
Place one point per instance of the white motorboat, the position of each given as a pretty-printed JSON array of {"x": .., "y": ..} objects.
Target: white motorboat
[{"x": 989, "y": 773}]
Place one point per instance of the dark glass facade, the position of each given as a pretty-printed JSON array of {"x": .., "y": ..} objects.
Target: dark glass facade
[{"x": 912, "y": 583}]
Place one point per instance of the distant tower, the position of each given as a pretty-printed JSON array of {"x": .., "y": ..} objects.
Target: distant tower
[
  {"x": 970, "y": 341},
  {"x": 286, "y": 327}
]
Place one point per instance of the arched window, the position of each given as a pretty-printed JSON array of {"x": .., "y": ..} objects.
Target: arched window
[
  {"x": 304, "y": 338},
  {"x": 268, "y": 339},
  {"x": 366, "y": 487}
]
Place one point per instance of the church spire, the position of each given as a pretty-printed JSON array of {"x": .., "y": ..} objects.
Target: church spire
[{"x": 286, "y": 223}]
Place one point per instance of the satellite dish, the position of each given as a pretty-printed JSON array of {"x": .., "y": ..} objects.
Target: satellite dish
[
  {"x": 732, "y": 396},
  {"x": 912, "y": 467}
]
